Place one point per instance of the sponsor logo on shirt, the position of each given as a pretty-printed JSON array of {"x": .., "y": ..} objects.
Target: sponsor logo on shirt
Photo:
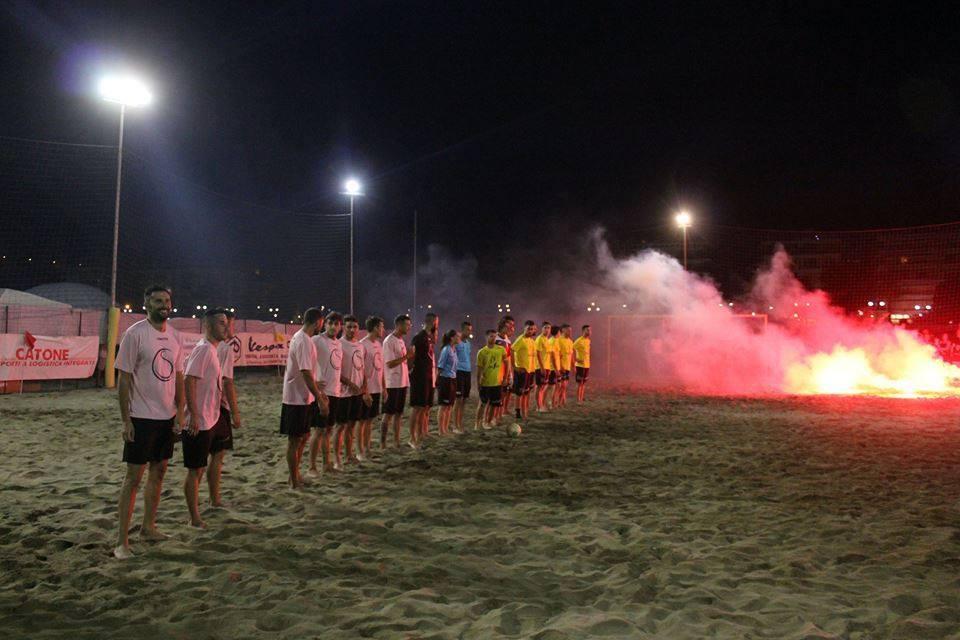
[
  {"x": 163, "y": 364},
  {"x": 358, "y": 360}
]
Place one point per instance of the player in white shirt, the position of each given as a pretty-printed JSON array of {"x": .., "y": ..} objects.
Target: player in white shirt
[
  {"x": 204, "y": 389},
  {"x": 301, "y": 395},
  {"x": 352, "y": 389},
  {"x": 329, "y": 365},
  {"x": 151, "y": 397},
  {"x": 229, "y": 412},
  {"x": 373, "y": 375},
  {"x": 397, "y": 379}
]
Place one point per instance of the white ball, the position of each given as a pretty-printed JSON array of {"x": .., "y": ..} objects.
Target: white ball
[{"x": 514, "y": 430}]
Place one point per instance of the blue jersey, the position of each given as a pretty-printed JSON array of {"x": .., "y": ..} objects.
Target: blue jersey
[
  {"x": 447, "y": 363},
  {"x": 463, "y": 356}
]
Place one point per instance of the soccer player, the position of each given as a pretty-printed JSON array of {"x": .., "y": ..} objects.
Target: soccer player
[
  {"x": 301, "y": 395},
  {"x": 204, "y": 391},
  {"x": 329, "y": 368},
  {"x": 505, "y": 330},
  {"x": 554, "y": 380},
  {"x": 151, "y": 397},
  {"x": 229, "y": 413},
  {"x": 524, "y": 365},
  {"x": 581, "y": 350},
  {"x": 544, "y": 362},
  {"x": 489, "y": 380},
  {"x": 352, "y": 380},
  {"x": 447, "y": 381},
  {"x": 422, "y": 378},
  {"x": 566, "y": 362},
  {"x": 397, "y": 379},
  {"x": 464, "y": 373},
  {"x": 373, "y": 372}
]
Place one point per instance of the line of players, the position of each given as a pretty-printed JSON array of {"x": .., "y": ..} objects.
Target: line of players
[{"x": 333, "y": 385}]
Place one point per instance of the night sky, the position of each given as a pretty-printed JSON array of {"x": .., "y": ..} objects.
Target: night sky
[{"x": 501, "y": 120}]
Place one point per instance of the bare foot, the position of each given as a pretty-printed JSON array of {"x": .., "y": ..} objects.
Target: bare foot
[
  {"x": 122, "y": 552},
  {"x": 216, "y": 503},
  {"x": 313, "y": 472},
  {"x": 199, "y": 524},
  {"x": 152, "y": 535}
]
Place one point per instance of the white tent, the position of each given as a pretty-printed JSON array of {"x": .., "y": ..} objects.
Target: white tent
[{"x": 14, "y": 298}]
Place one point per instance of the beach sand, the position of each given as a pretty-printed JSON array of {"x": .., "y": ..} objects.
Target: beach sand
[{"x": 638, "y": 515}]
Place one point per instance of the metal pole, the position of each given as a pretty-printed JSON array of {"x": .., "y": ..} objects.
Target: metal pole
[
  {"x": 414, "y": 262},
  {"x": 116, "y": 214},
  {"x": 351, "y": 255},
  {"x": 684, "y": 248}
]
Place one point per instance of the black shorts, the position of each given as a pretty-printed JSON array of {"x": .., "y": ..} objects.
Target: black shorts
[
  {"x": 463, "y": 384},
  {"x": 542, "y": 377},
  {"x": 295, "y": 419},
  {"x": 563, "y": 375},
  {"x": 396, "y": 401},
  {"x": 421, "y": 392},
  {"x": 320, "y": 421},
  {"x": 196, "y": 449},
  {"x": 552, "y": 377},
  {"x": 348, "y": 409},
  {"x": 371, "y": 412},
  {"x": 446, "y": 390},
  {"x": 583, "y": 373},
  {"x": 152, "y": 441},
  {"x": 491, "y": 395},
  {"x": 521, "y": 381},
  {"x": 222, "y": 433}
]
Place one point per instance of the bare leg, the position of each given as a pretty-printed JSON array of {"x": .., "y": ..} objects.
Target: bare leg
[
  {"x": 191, "y": 487},
  {"x": 293, "y": 462},
  {"x": 128, "y": 499},
  {"x": 384, "y": 426},
  {"x": 481, "y": 407},
  {"x": 351, "y": 436},
  {"x": 213, "y": 477},
  {"x": 491, "y": 414},
  {"x": 325, "y": 448},
  {"x": 425, "y": 422},
  {"x": 415, "y": 425},
  {"x": 338, "y": 446},
  {"x": 458, "y": 414},
  {"x": 397, "y": 420},
  {"x": 316, "y": 437},
  {"x": 151, "y": 501}
]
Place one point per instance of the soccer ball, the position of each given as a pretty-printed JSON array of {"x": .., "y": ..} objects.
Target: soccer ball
[{"x": 514, "y": 430}]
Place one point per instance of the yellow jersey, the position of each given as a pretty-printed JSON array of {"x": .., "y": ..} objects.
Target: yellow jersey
[
  {"x": 555, "y": 352},
  {"x": 489, "y": 364},
  {"x": 524, "y": 354},
  {"x": 544, "y": 353},
  {"x": 566, "y": 349},
  {"x": 581, "y": 347}
]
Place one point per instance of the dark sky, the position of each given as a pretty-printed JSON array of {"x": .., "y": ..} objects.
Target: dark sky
[{"x": 494, "y": 117}]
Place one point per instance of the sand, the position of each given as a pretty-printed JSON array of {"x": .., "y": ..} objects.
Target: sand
[{"x": 641, "y": 515}]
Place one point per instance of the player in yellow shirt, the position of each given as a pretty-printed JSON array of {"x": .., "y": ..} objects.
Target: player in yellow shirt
[
  {"x": 544, "y": 365},
  {"x": 581, "y": 352},
  {"x": 554, "y": 381},
  {"x": 524, "y": 364},
  {"x": 489, "y": 379},
  {"x": 566, "y": 362}
]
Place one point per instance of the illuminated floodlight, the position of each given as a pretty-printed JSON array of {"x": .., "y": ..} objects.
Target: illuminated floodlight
[
  {"x": 125, "y": 90},
  {"x": 352, "y": 187},
  {"x": 684, "y": 220},
  {"x": 928, "y": 307},
  {"x": 882, "y": 303},
  {"x": 916, "y": 307},
  {"x": 870, "y": 303}
]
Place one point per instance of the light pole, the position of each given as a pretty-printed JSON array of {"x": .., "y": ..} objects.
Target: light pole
[
  {"x": 352, "y": 189},
  {"x": 127, "y": 92},
  {"x": 684, "y": 221}
]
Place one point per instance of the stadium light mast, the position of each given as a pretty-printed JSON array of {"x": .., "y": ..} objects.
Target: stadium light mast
[
  {"x": 352, "y": 189},
  {"x": 126, "y": 91},
  {"x": 684, "y": 221}
]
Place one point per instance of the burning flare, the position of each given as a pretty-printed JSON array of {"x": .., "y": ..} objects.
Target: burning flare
[{"x": 808, "y": 346}]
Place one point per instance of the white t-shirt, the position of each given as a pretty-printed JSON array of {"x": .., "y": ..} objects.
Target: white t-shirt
[
  {"x": 352, "y": 364},
  {"x": 302, "y": 357},
  {"x": 204, "y": 365},
  {"x": 397, "y": 377},
  {"x": 153, "y": 358},
  {"x": 226, "y": 353},
  {"x": 329, "y": 361},
  {"x": 373, "y": 364}
]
